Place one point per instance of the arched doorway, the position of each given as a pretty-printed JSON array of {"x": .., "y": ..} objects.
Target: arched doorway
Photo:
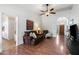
[{"x": 62, "y": 25}]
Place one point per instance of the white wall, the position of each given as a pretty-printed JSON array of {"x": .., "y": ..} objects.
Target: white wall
[
  {"x": 15, "y": 11},
  {"x": 50, "y": 22},
  {"x": 36, "y": 19},
  {"x": 75, "y": 13},
  {"x": 5, "y": 25}
]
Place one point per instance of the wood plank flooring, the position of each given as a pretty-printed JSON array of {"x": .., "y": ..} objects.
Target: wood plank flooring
[
  {"x": 53, "y": 46},
  {"x": 7, "y": 44}
]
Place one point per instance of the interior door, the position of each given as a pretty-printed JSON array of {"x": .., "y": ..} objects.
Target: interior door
[{"x": 61, "y": 30}]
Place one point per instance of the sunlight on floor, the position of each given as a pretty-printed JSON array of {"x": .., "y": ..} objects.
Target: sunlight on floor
[
  {"x": 58, "y": 43},
  {"x": 57, "y": 40},
  {"x": 62, "y": 48}
]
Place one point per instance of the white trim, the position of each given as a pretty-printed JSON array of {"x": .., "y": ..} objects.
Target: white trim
[
  {"x": 17, "y": 29},
  {"x": 0, "y": 32},
  {"x": 17, "y": 26},
  {"x": 65, "y": 23}
]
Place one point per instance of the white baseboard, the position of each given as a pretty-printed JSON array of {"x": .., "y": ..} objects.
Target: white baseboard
[
  {"x": 19, "y": 43},
  {"x": 54, "y": 35}
]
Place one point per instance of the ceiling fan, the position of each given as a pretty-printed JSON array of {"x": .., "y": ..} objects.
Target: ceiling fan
[{"x": 48, "y": 10}]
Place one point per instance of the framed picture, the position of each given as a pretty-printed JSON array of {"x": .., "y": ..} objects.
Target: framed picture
[{"x": 29, "y": 25}]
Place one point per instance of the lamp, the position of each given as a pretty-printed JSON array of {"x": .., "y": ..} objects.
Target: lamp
[{"x": 38, "y": 28}]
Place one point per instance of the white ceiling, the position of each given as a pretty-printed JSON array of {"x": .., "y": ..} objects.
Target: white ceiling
[{"x": 38, "y": 7}]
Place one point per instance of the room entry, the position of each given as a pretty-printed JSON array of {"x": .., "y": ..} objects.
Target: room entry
[
  {"x": 62, "y": 26},
  {"x": 8, "y": 32},
  {"x": 61, "y": 29}
]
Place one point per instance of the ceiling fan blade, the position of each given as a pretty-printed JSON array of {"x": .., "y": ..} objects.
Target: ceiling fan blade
[
  {"x": 42, "y": 14},
  {"x": 52, "y": 12},
  {"x": 43, "y": 11},
  {"x": 51, "y": 9}
]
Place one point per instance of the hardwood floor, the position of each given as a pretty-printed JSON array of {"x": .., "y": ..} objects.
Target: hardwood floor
[
  {"x": 7, "y": 44},
  {"x": 53, "y": 46}
]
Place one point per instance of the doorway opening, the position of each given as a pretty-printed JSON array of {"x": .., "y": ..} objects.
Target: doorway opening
[
  {"x": 9, "y": 32},
  {"x": 62, "y": 26},
  {"x": 61, "y": 29}
]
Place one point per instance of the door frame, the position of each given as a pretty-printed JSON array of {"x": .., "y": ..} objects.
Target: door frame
[
  {"x": 65, "y": 23},
  {"x": 1, "y": 32},
  {"x": 17, "y": 30}
]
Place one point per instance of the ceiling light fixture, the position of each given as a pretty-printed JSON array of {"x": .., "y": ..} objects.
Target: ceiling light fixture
[{"x": 48, "y": 10}]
